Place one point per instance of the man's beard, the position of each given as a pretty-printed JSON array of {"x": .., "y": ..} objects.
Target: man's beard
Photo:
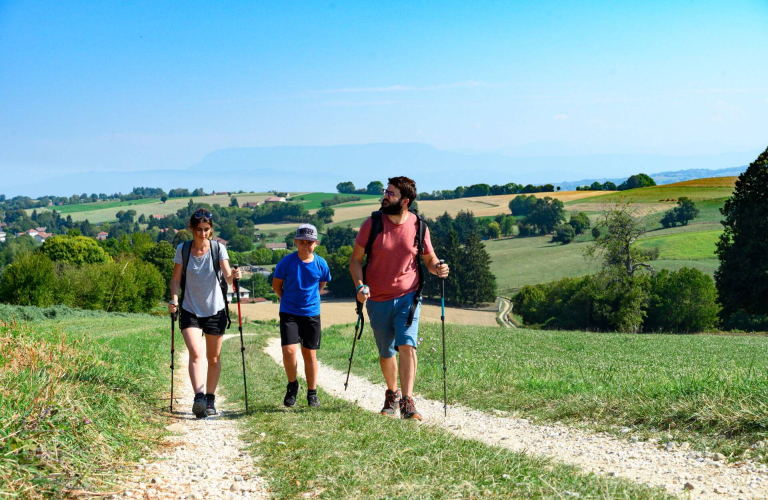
[{"x": 391, "y": 208}]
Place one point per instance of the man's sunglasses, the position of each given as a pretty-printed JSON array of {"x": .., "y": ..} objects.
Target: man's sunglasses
[
  {"x": 388, "y": 194},
  {"x": 200, "y": 215}
]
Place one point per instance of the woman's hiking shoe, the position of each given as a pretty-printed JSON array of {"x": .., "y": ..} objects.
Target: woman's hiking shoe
[
  {"x": 198, "y": 407},
  {"x": 290, "y": 394},
  {"x": 313, "y": 400},
  {"x": 390, "y": 402},
  {"x": 408, "y": 409},
  {"x": 210, "y": 408}
]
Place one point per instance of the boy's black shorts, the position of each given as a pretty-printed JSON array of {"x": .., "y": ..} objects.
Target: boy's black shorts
[
  {"x": 304, "y": 330},
  {"x": 211, "y": 325}
]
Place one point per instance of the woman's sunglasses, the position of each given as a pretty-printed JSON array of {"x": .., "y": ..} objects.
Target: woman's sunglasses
[{"x": 201, "y": 215}]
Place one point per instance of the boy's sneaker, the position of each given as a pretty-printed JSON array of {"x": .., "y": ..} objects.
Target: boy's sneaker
[
  {"x": 290, "y": 394},
  {"x": 390, "y": 402},
  {"x": 313, "y": 400},
  {"x": 198, "y": 407},
  {"x": 408, "y": 409},
  {"x": 210, "y": 408}
]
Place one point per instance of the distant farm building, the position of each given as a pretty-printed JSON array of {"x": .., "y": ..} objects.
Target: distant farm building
[
  {"x": 250, "y": 204},
  {"x": 276, "y": 246},
  {"x": 221, "y": 241},
  {"x": 244, "y": 293},
  {"x": 275, "y": 199},
  {"x": 102, "y": 236}
]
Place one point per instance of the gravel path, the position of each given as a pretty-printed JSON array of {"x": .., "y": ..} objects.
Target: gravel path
[
  {"x": 202, "y": 459},
  {"x": 676, "y": 468}
]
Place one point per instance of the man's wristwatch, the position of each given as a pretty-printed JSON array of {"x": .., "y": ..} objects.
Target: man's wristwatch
[{"x": 173, "y": 303}]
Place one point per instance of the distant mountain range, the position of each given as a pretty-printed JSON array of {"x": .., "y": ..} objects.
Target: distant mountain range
[{"x": 320, "y": 168}]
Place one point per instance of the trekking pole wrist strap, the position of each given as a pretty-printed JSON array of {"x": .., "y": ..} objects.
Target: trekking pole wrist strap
[{"x": 359, "y": 287}]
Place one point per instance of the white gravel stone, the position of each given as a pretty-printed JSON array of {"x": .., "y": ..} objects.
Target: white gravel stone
[{"x": 203, "y": 452}]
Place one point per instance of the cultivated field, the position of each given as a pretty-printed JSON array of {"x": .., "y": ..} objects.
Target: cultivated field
[
  {"x": 105, "y": 212},
  {"x": 341, "y": 311},
  {"x": 667, "y": 193}
]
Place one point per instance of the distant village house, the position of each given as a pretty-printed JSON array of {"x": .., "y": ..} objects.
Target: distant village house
[{"x": 276, "y": 246}]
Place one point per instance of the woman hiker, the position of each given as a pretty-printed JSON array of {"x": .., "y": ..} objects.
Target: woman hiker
[{"x": 201, "y": 264}]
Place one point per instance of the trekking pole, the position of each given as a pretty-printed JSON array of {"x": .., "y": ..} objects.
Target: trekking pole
[
  {"x": 236, "y": 284},
  {"x": 173, "y": 349},
  {"x": 442, "y": 319},
  {"x": 358, "y": 333}
]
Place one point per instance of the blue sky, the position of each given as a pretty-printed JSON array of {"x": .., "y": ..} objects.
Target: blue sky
[{"x": 149, "y": 85}]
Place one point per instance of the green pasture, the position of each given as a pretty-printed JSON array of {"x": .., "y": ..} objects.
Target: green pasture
[
  {"x": 342, "y": 451},
  {"x": 655, "y": 194},
  {"x": 118, "y": 205},
  {"x": 707, "y": 389},
  {"x": 314, "y": 201},
  {"x": 683, "y": 246},
  {"x": 97, "y": 214}
]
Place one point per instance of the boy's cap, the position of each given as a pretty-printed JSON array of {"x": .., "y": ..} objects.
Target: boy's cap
[{"x": 306, "y": 232}]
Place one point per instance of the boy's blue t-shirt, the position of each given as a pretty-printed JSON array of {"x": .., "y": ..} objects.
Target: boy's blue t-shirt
[{"x": 301, "y": 284}]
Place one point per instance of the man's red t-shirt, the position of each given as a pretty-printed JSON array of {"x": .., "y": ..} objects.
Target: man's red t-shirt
[{"x": 392, "y": 271}]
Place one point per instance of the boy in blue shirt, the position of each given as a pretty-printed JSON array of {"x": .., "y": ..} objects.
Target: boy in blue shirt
[{"x": 299, "y": 277}]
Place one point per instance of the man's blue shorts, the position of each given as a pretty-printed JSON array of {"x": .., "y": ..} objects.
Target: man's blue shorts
[{"x": 388, "y": 320}]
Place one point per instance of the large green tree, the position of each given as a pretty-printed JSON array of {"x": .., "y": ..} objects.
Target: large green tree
[
  {"x": 742, "y": 278},
  {"x": 339, "y": 236}
]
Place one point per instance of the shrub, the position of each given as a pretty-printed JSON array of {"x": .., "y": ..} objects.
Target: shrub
[
  {"x": 74, "y": 249},
  {"x": 29, "y": 281},
  {"x": 564, "y": 233},
  {"x": 682, "y": 301}
]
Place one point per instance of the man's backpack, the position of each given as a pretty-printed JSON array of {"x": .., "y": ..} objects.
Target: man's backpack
[
  {"x": 377, "y": 227},
  {"x": 186, "y": 249}
]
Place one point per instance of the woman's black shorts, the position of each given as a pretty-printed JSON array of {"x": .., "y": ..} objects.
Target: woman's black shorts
[
  {"x": 211, "y": 325},
  {"x": 304, "y": 330}
]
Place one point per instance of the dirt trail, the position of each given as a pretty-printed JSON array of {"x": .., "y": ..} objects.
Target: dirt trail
[
  {"x": 204, "y": 458},
  {"x": 678, "y": 469}
]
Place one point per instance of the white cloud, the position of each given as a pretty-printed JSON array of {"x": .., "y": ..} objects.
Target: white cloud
[{"x": 560, "y": 117}]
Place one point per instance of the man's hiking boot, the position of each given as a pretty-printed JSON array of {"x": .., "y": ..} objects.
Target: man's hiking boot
[
  {"x": 210, "y": 408},
  {"x": 408, "y": 409},
  {"x": 390, "y": 402},
  {"x": 198, "y": 407},
  {"x": 313, "y": 400},
  {"x": 290, "y": 394}
]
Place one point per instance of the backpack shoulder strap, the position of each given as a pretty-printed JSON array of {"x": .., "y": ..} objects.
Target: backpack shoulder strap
[
  {"x": 377, "y": 226},
  {"x": 186, "y": 249},
  {"x": 421, "y": 228},
  {"x": 216, "y": 256}
]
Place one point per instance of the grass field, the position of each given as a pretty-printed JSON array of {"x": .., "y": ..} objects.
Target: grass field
[
  {"x": 696, "y": 387},
  {"x": 313, "y": 201},
  {"x": 342, "y": 451},
  {"x": 79, "y": 398},
  {"x": 533, "y": 260},
  {"x": 668, "y": 193},
  {"x": 683, "y": 246},
  {"x": 96, "y": 214},
  {"x": 90, "y": 207}
]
